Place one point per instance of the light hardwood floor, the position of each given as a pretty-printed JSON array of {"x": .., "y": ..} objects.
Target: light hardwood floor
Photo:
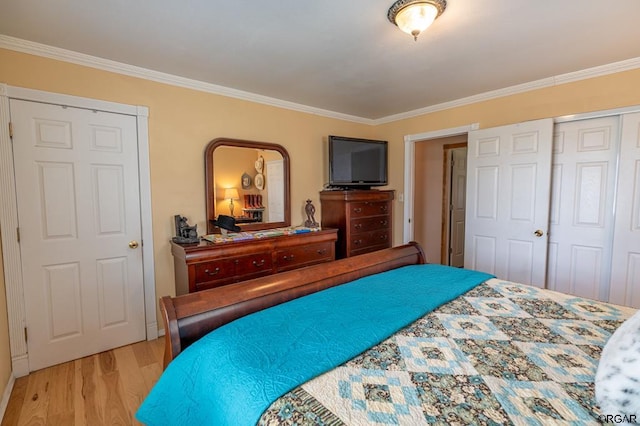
[{"x": 102, "y": 389}]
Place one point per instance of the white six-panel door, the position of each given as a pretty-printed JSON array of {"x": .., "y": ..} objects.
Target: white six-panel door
[
  {"x": 582, "y": 199},
  {"x": 458, "y": 203},
  {"x": 78, "y": 204},
  {"x": 594, "y": 223},
  {"x": 507, "y": 210},
  {"x": 625, "y": 271}
]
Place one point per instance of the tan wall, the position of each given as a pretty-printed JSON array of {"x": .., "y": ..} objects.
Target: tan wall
[{"x": 183, "y": 121}]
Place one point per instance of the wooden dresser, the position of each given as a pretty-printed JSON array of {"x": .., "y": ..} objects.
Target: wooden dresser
[
  {"x": 207, "y": 265},
  {"x": 363, "y": 219}
]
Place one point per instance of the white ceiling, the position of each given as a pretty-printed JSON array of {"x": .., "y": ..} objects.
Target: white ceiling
[{"x": 336, "y": 55}]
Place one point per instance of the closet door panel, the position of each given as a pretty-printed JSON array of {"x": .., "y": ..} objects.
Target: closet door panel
[
  {"x": 507, "y": 209},
  {"x": 625, "y": 272},
  {"x": 582, "y": 197}
]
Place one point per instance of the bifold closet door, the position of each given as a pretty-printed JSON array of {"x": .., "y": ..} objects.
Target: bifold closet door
[
  {"x": 625, "y": 271},
  {"x": 594, "y": 194},
  {"x": 507, "y": 210},
  {"x": 582, "y": 200}
]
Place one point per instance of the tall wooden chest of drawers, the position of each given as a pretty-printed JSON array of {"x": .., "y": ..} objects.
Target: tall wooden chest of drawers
[{"x": 363, "y": 219}]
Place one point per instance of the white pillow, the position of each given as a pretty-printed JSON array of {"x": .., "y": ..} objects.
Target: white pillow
[{"x": 618, "y": 376}]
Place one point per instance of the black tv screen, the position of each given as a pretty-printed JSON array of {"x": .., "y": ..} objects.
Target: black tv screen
[{"x": 357, "y": 162}]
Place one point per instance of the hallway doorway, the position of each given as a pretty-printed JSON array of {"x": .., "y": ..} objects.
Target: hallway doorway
[{"x": 432, "y": 198}]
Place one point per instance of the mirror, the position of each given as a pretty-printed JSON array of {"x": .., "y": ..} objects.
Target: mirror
[{"x": 249, "y": 181}]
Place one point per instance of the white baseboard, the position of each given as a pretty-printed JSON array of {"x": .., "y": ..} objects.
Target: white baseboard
[
  {"x": 6, "y": 395},
  {"x": 152, "y": 331},
  {"x": 20, "y": 365}
]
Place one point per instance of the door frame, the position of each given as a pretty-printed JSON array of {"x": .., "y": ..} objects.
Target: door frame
[
  {"x": 409, "y": 170},
  {"x": 9, "y": 214}
]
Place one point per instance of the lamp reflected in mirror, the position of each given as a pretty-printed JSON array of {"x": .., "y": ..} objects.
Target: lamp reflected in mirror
[{"x": 231, "y": 194}]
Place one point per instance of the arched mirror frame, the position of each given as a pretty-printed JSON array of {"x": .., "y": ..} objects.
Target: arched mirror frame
[{"x": 210, "y": 182}]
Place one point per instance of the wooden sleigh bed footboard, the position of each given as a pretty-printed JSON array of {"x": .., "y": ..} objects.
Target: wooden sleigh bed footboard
[{"x": 188, "y": 317}]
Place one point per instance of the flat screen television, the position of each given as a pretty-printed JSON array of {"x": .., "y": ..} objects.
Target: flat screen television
[{"x": 357, "y": 163}]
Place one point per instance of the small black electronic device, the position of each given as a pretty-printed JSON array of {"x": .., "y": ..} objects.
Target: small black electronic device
[{"x": 357, "y": 163}]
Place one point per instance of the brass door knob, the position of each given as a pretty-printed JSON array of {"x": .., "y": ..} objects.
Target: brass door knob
[
  {"x": 133, "y": 244},
  {"x": 538, "y": 233}
]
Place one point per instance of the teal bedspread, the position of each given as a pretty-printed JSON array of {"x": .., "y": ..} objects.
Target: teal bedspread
[{"x": 230, "y": 376}]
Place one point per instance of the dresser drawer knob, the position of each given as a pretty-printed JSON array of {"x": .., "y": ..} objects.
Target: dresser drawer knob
[
  {"x": 285, "y": 257},
  {"x": 321, "y": 251},
  {"x": 357, "y": 225},
  {"x": 258, "y": 264},
  {"x": 357, "y": 210},
  {"x": 384, "y": 222},
  {"x": 384, "y": 237},
  {"x": 211, "y": 273},
  {"x": 356, "y": 242}
]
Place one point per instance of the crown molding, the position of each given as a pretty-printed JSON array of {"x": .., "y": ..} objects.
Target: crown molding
[
  {"x": 32, "y": 48},
  {"x": 626, "y": 65},
  {"x": 29, "y": 47}
]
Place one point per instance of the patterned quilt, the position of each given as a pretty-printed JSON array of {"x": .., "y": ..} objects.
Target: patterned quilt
[{"x": 503, "y": 353}]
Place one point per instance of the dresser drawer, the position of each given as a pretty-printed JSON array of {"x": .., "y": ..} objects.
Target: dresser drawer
[
  {"x": 217, "y": 270},
  {"x": 370, "y": 241},
  {"x": 369, "y": 208},
  {"x": 369, "y": 224},
  {"x": 296, "y": 257},
  {"x": 253, "y": 266}
]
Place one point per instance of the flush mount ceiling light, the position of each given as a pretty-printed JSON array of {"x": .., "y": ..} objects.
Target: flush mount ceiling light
[{"x": 415, "y": 16}]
